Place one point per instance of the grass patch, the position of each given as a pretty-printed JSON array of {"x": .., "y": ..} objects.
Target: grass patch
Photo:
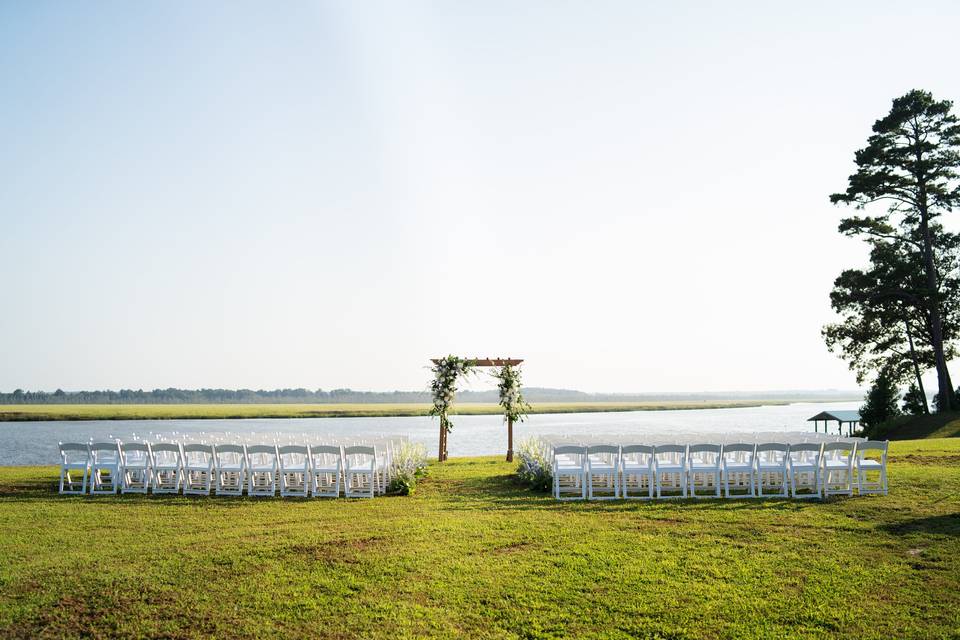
[
  {"x": 935, "y": 425},
  {"x": 28, "y": 412},
  {"x": 474, "y": 555}
]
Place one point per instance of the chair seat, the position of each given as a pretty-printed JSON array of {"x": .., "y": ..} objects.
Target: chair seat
[
  {"x": 636, "y": 467},
  {"x": 670, "y": 467},
  {"x": 74, "y": 465},
  {"x": 602, "y": 467},
  {"x": 836, "y": 464},
  {"x": 738, "y": 466},
  {"x": 804, "y": 466},
  {"x": 262, "y": 468},
  {"x": 874, "y": 464},
  {"x": 330, "y": 469},
  {"x": 230, "y": 467},
  {"x": 771, "y": 467},
  {"x": 699, "y": 466}
]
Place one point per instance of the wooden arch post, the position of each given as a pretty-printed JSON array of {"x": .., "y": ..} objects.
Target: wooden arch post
[{"x": 442, "y": 454}]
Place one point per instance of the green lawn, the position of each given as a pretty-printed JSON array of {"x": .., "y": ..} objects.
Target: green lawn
[
  {"x": 30, "y": 412},
  {"x": 473, "y": 555}
]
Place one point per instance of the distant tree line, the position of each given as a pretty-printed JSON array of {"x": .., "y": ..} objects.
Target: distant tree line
[{"x": 319, "y": 396}]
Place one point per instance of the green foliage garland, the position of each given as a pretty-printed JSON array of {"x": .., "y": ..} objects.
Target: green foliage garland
[
  {"x": 444, "y": 385},
  {"x": 515, "y": 408}
]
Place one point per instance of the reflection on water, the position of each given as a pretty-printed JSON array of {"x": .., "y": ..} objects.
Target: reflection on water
[{"x": 26, "y": 443}]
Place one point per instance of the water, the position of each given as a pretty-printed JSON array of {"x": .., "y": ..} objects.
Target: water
[{"x": 35, "y": 443}]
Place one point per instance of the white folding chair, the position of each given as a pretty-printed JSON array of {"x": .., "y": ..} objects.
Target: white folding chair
[
  {"x": 135, "y": 459},
  {"x": 360, "y": 471},
  {"x": 105, "y": 467},
  {"x": 670, "y": 462},
  {"x": 871, "y": 465},
  {"x": 74, "y": 457},
  {"x": 167, "y": 465},
  {"x": 569, "y": 472},
  {"x": 838, "y": 468},
  {"x": 772, "y": 461},
  {"x": 230, "y": 468},
  {"x": 383, "y": 467},
  {"x": 603, "y": 473},
  {"x": 636, "y": 470},
  {"x": 262, "y": 470},
  {"x": 805, "y": 467},
  {"x": 294, "y": 470},
  {"x": 197, "y": 469},
  {"x": 326, "y": 470},
  {"x": 705, "y": 468},
  {"x": 738, "y": 470}
]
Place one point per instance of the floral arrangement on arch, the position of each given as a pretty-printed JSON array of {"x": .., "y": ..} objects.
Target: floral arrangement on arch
[
  {"x": 444, "y": 384},
  {"x": 515, "y": 408}
]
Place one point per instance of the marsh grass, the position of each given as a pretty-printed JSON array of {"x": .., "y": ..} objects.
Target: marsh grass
[
  {"x": 474, "y": 554},
  {"x": 32, "y": 412}
]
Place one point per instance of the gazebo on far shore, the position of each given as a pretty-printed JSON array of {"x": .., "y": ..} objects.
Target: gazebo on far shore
[{"x": 849, "y": 418}]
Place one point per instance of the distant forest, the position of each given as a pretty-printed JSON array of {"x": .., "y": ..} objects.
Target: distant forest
[{"x": 306, "y": 396}]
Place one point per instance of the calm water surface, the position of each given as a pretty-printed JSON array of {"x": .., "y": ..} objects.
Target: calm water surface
[{"x": 34, "y": 443}]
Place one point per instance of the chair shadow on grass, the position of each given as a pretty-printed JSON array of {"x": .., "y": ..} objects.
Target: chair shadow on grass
[
  {"x": 505, "y": 492},
  {"x": 45, "y": 490},
  {"x": 945, "y": 525}
]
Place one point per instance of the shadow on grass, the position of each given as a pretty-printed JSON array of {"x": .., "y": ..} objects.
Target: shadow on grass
[
  {"x": 945, "y": 525},
  {"x": 504, "y": 492},
  {"x": 42, "y": 490}
]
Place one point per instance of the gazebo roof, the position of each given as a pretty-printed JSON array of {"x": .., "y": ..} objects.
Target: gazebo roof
[{"x": 839, "y": 416}]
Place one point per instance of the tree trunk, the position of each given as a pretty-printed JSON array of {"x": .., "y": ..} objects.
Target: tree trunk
[
  {"x": 936, "y": 327},
  {"x": 943, "y": 377},
  {"x": 916, "y": 365}
]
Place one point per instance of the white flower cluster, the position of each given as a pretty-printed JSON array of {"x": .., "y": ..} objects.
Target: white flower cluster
[
  {"x": 444, "y": 385},
  {"x": 533, "y": 468},
  {"x": 511, "y": 399}
]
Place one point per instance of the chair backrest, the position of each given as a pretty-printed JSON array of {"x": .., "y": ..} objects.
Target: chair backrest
[
  {"x": 67, "y": 449},
  {"x": 570, "y": 449},
  {"x": 229, "y": 449},
  {"x": 360, "y": 450},
  {"x": 637, "y": 448},
  {"x": 806, "y": 452},
  {"x": 672, "y": 451},
  {"x": 776, "y": 453},
  {"x": 324, "y": 449},
  {"x": 704, "y": 453},
  {"x": 105, "y": 451},
  {"x": 843, "y": 451},
  {"x": 140, "y": 451},
  {"x": 705, "y": 448},
  {"x": 292, "y": 449},
  {"x": 877, "y": 446},
  {"x": 603, "y": 448},
  {"x": 739, "y": 452}
]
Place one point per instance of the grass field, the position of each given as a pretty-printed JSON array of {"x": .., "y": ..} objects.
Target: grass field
[
  {"x": 473, "y": 555},
  {"x": 30, "y": 412}
]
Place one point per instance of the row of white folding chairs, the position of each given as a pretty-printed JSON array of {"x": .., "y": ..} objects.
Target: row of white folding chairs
[
  {"x": 225, "y": 469},
  {"x": 738, "y": 470}
]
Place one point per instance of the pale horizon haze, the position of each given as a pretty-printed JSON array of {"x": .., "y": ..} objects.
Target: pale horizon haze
[{"x": 631, "y": 196}]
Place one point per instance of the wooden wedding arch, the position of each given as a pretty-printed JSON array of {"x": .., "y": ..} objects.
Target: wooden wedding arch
[{"x": 444, "y": 428}]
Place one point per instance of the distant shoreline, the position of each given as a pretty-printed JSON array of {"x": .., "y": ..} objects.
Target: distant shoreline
[{"x": 80, "y": 412}]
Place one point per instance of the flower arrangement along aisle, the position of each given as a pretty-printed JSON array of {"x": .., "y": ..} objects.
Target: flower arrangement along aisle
[{"x": 446, "y": 371}]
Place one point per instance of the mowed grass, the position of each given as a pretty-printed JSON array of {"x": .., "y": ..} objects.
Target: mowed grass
[
  {"x": 28, "y": 412},
  {"x": 474, "y": 555}
]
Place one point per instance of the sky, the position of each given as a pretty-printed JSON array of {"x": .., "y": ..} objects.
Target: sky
[{"x": 632, "y": 196}]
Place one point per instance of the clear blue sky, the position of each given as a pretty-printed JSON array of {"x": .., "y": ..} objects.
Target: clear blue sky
[{"x": 632, "y": 196}]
